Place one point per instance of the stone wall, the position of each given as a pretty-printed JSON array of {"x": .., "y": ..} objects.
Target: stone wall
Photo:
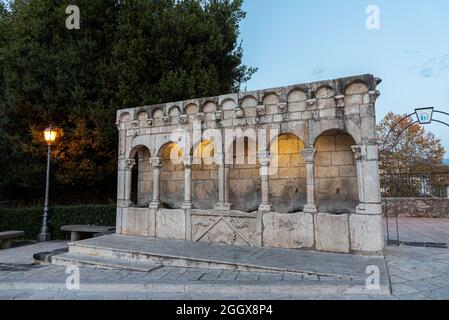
[
  {"x": 335, "y": 173},
  {"x": 417, "y": 207},
  {"x": 319, "y": 137},
  {"x": 287, "y": 192}
]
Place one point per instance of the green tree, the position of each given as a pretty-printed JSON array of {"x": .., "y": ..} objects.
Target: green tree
[{"x": 126, "y": 53}]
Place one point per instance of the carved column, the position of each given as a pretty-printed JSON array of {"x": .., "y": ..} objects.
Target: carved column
[
  {"x": 223, "y": 186},
  {"x": 264, "y": 160},
  {"x": 129, "y": 165},
  {"x": 360, "y": 156},
  {"x": 187, "y": 183},
  {"x": 309, "y": 157},
  {"x": 157, "y": 165}
]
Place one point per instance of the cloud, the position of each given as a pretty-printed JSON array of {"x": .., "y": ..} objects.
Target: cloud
[{"x": 433, "y": 68}]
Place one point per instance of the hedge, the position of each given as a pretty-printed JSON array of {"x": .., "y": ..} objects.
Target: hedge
[{"x": 30, "y": 219}]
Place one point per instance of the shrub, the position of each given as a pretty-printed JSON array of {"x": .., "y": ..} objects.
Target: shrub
[{"x": 30, "y": 219}]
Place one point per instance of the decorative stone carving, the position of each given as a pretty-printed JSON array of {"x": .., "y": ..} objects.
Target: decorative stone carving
[
  {"x": 239, "y": 113},
  {"x": 184, "y": 119},
  {"x": 156, "y": 162},
  {"x": 200, "y": 116},
  {"x": 166, "y": 118},
  {"x": 283, "y": 109},
  {"x": 129, "y": 164},
  {"x": 150, "y": 122},
  {"x": 340, "y": 101},
  {"x": 311, "y": 103},
  {"x": 309, "y": 154},
  {"x": 373, "y": 95},
  {"x": 261, "y": 110},
  {"x": 135, "y": 123},
  {"x": 218, "y": 115}
]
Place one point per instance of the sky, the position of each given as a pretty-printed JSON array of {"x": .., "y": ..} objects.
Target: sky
[{"x": 300, "y": 41}]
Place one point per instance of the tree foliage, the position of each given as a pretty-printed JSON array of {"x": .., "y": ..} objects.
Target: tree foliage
[
  {"x": 125, "y": 54},
  {"x": 408, "y": 150}
]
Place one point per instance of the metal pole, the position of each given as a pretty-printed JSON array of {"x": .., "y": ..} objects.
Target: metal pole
[{"x": 45, "y": 232}]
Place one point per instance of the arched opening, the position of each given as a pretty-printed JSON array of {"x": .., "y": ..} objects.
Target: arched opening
[
  {"x": 244, "y": 179},
  {"x": 142, "y": 177},
  {"x": 171, "y": 181},
  {"x": 336, "y": 189},
  {"x": 287, "y": 184},
  {"x": 204, "y": 176}
]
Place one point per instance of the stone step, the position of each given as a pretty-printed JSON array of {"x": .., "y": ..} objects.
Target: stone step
[
  {"x": 212, "y": 256},
  {"x": 102, "y": 262}
]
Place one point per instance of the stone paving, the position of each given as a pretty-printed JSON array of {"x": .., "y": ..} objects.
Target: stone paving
[
  {"x": 415, "y": 273},
  {"x": 419, "y": 230}
]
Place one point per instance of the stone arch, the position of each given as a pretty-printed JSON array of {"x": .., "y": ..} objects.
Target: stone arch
[
  {"x": 249, "y": 101},
  {"x": 204, "y": 175},
  {"x": 325, "y": 97},
  {"x": 244, "y": 178},
  {"x": 228, "y": 104},
  {"x": 336, "y": 189},
  {"x": 287, "y": 182},
  {"x": 191, "y": 109},
  {"x": 271, "y": 101},
  {"x": 171, "y": 181},
  {"x": 174, "y": 111},
  {"x": 356, "y": 93},
  {"x": 141, "y": 176},
  {"x": 296, "y": 100}
]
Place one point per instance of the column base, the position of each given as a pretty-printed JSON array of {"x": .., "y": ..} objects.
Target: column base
[
  {"x": 187, "y": 206},
  {"x": 310, "y": 208},
  {"x": 155, "y": 205},
  {"x": 223, "y": 207},
  {"x": 265, "y": 207}
]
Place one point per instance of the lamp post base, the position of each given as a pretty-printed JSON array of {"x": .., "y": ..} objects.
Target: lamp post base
[{"x": 43, "y": 237}]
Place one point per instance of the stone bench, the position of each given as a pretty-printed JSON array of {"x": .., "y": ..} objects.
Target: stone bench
[
  {"x": 96, "y": 231},
  {"x": 7, "y": 236}
]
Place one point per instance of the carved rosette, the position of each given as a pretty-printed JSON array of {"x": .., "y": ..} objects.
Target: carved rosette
[
  {"x": 309, "y": 154},
  {"x": 135, "y": 123},
  {"x": 373, "y": 95},
  {"x": 166, "y": 118},
  {"x": 150, "y": 122}
]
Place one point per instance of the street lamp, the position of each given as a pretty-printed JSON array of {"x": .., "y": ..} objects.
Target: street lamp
[{"x": 50, "y": 136}]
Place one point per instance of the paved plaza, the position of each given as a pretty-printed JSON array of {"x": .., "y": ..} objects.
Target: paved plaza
[{"x": 414, "y": 272}]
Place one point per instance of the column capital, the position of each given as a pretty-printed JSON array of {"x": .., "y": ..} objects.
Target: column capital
[
  {"x": 309, "y": 154},
  {"x": 188, "y": 161},
  {"x": 359, "y": 152},
  {"x": 156, "y": 162},
  {"x": 129, "y": 164},
  {"x": 264, "y": 158}
]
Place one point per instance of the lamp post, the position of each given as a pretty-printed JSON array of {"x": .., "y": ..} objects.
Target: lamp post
[{"x": 50, "y": 137}]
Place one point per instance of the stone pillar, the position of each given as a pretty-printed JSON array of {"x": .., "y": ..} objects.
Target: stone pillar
[
  {"x": 157, "y": 165},
  {"x": 129, "y": 165},
  {"x": 187, "y": 184},
  {"x": 309, "y": 156},
  {"x": 447, "y": 191},
  {"x": 360, "y": 156},
  {"x": 223, "y": 186},
  {"x": 264, "y": 160}
]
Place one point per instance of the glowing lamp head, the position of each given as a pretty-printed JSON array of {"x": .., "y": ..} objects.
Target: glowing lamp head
[{"x": 50, "y": 135}]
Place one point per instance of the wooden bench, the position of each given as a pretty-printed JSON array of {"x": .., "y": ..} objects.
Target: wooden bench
[
  {"x": 96, "y": 231},
  {"x": 7, "y": 236}
]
